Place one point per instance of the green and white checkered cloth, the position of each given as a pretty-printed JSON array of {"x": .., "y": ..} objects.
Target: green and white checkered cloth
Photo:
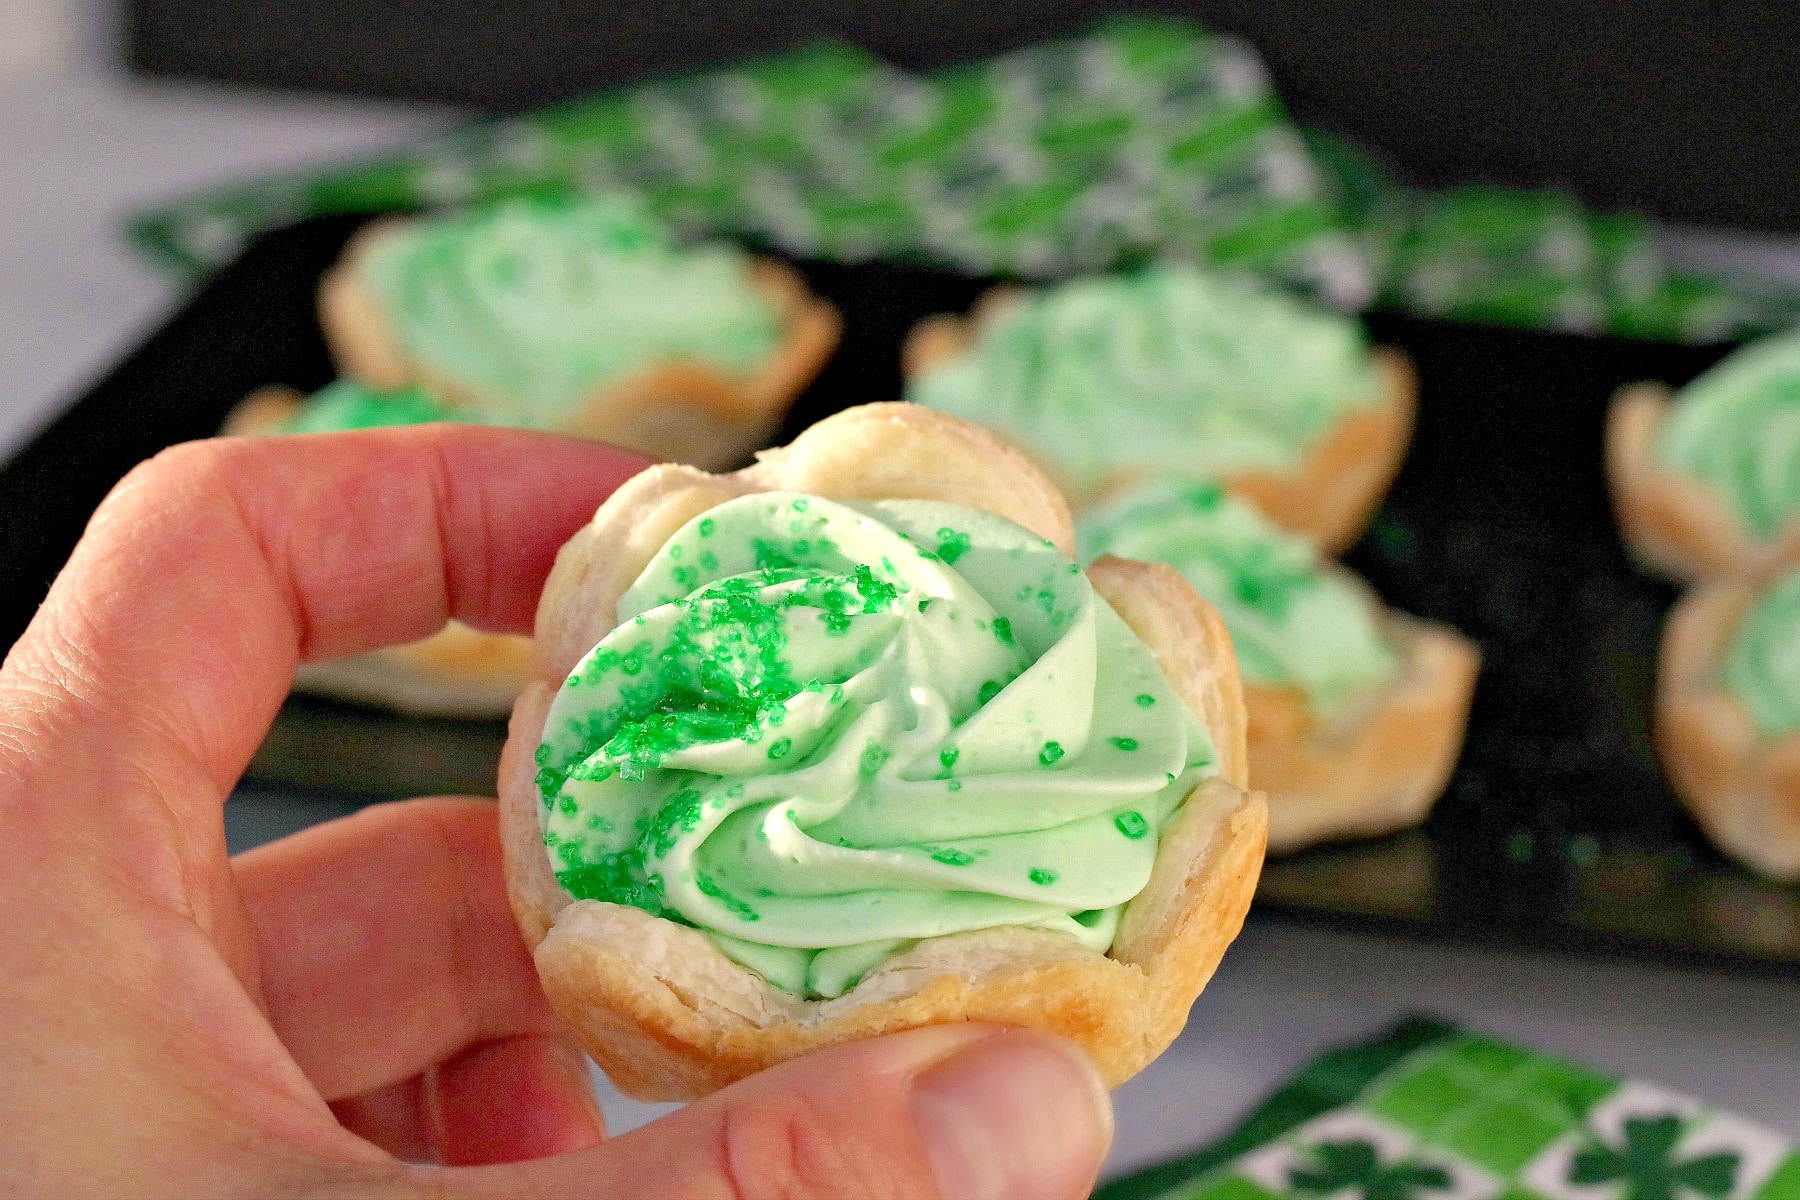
[
  {"x": 1146, "y": 138},
  {"x": 1534, "y": 259},
  {"x": 1431, "y": 1112}
]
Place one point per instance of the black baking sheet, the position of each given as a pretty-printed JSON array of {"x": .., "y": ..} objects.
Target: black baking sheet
[{"x": 1557, "y": 830}]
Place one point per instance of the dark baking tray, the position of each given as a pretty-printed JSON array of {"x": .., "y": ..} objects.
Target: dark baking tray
[{"x": 1557, "y": 830}]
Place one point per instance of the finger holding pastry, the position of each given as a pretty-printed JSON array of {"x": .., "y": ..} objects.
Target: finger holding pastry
[{"x": 339, "y": 1013}]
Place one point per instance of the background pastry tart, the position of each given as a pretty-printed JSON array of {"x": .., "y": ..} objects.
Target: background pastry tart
[
  {"x": 458, "y": 671},
  {"x": 1112, "y": 380},
  {"x": 1728, "y": 716},
  {"x": 1356, "y": 712},
  {"x": 846, "y": 743},
  {"x": 580, "y": 316},
  {"x": 1706, "y": 483}
]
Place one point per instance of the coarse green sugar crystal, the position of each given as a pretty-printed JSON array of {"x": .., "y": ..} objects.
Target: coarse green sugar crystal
[
  {"x": 1041, "y": 877},
  {"x": 1146, "y": 700},
  {"x": 1003, "y": 631},
  {"x": 947, "y": 757},
  {"x": 710, "y": 887},
  {"x": 1051, "y": 753},
  {"x": 1132, "y": 824},
  {"x": 707, "y": 526},
  {"x": 952, "y": 544},
  {"x": 989, "y": 689},
  {"x": 1125, "y": 743},
  {"x": 872, "y": 759},
  {"x": 780, "y": 746},
  {"x": 952, "y": 857}
]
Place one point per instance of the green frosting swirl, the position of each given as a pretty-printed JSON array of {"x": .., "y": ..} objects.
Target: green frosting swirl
[
  {"x": 535, "y": 302},
  {"x": 1167, "y": 370},
  {"x": 1737, "y": 428},
  {"x": 1762, "y": 663},
  {"x": 347, "y": 404},
  {"x": 1291, "y": 623},
  {"x": 823, "y": 731}
]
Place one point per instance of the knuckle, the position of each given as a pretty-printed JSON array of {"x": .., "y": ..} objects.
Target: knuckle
[{"x": 790, "y": 1147}]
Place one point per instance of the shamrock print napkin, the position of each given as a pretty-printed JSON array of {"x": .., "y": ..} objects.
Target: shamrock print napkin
[{"x": 1429, "y": 1111}]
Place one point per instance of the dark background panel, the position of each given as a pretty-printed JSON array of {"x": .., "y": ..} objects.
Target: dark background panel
[{"x": 1686, "y": 111}]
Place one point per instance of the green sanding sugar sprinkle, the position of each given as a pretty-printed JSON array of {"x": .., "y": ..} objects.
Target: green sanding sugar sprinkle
[
  {"x": 990, "y": 689},
  {"x": 1051, "y": 752},
  {"x": 1041, "y": 877},
  {"x": 952, "y": 544},
  {"x": 1146, "y": 700},
  {"x": 952, "y": 858},
  {"x": 780, "y": 746},
  {"x": 872, "y": 759},
  {"x": 1125, "y": 743},
  {"x": 1003, "y": 632},
  {"x": 1132, "y": 824},
  {"x": 710, "y": 887},
  {"x": 706, "y": 526},
  {"x": 947, "y": 756},
  {"x": 722, "y": 674}
]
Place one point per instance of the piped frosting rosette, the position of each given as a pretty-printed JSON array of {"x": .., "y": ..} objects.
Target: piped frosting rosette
[
  {"x": 1165, "y": 371},
  {"x": 1738, "y": 429},
  {"x": 822, "y": 731},
  {"x": 1170, "y": 371},
  {"x": 1706, "y": 481},
  {"x": 532, "y": 304}
]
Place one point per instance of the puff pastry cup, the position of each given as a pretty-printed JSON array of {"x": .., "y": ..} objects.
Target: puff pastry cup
[
  {"x": 1378, "y": 765},
  {"x": 669, "y": 1017},
  {"x": 1674, "y": 524},
  {"x": 1329, "y": 495},
  {"x": 680, "y": 410},
  {"x": 457, "y": 672},
  {"x": 1742, "y": 787}
]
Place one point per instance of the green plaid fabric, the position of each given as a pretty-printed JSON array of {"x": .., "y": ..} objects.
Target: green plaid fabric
[{"x": 1432, "y": 1112}]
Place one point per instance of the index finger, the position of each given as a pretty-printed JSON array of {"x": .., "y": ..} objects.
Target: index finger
[{"x": 171, "y": 637}]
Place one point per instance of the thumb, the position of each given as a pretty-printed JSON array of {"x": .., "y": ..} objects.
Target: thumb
[{"x": 962, "y": 1112}]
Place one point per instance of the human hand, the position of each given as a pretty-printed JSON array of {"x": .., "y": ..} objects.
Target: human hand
[{"x": 307, "y": 1017}]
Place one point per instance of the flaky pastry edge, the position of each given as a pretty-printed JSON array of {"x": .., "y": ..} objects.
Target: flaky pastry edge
[
  {"x": 1742, "y": 788},
  {"x": 669, "y": 1017}
]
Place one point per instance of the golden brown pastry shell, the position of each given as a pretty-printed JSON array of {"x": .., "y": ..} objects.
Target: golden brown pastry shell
[
  {"x": 682, "y": 411},
  {"x": 1328, "y": 496},
  {"x": 669, "y": 1017},
  {"x": 1673, "y": 524},
  {"x": 1379, "y": 764},
  {"x": 1743, "y": 788}
]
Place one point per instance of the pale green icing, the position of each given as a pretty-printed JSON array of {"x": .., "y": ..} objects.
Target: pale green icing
[
  {"x": 537, "y": 302},
  {"x": 347, "y": 404},
  {"x": 1737, "y": 428},
  {"x": 1291, "y": 622},
  {"x": 1762, "y": 662},
  {"x": 823, "y": 731},
  {"x": 1168, "y": 370}
]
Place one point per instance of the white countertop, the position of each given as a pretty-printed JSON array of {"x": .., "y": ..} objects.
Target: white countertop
[{"x": 80, "y": 150}]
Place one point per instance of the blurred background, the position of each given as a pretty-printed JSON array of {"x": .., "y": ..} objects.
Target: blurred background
[{"x": 1682, "y": 113}]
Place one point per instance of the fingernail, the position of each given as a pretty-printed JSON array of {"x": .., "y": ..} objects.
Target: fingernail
[{"x": 1016, "y": 1116}]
